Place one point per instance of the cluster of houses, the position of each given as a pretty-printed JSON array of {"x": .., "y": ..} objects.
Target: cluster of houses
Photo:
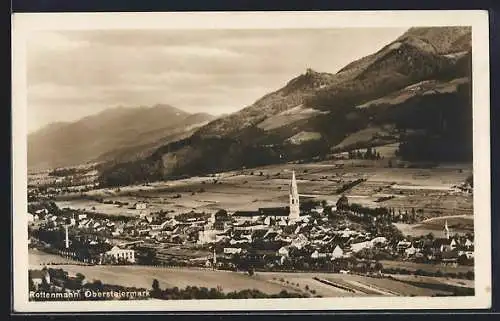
[
  {"x": 268, "y": 232},
  {"x": 447, "y": 250},
  {"x": 317, "y": 240},
  {"x": 283, "y": 233}
]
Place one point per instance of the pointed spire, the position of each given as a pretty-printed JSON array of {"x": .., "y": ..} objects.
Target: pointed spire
[
  {"x": 446, "y": 230},
  {"x": 294, "y": 199}
]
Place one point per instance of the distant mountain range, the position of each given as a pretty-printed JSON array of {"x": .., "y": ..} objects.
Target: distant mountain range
[
  {"x": 415, "y": 90},
  {"x": 118, "y": 134}
]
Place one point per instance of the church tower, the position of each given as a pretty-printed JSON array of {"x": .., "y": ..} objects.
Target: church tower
[
  {"x": 294, "y": 200},
  {"x": 446, "y": 230}
]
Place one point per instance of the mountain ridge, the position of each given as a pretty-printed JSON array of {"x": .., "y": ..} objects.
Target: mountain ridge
[
  {"x": 91, "y": 137},
  {"x": 315, "y": 111}
]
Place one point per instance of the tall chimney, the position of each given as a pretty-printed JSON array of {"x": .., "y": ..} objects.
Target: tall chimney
[{"x": 67, "y": 238}]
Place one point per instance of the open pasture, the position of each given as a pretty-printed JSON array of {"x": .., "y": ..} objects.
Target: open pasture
[
  {"x": 412, "y": 266},
  {"x": 249, "y": 189},
  {"x": 269, "y": 282}
]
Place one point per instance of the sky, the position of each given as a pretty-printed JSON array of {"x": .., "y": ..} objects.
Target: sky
[{"x": 74, "y": 74}]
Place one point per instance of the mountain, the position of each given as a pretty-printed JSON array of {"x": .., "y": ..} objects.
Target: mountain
[
  {"x": 415, "y": 91},
  {"x": 121, "y": 133}
]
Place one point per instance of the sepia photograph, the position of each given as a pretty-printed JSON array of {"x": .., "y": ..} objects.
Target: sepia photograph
[{"x": 249, "y": 161}]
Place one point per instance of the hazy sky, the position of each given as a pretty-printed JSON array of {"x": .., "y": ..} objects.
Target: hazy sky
[{"x": 74, "y": 74}]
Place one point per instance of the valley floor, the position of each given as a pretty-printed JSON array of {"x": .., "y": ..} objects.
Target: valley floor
[{"x": 311, "y": 283}]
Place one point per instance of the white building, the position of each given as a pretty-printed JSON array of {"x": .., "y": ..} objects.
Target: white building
[
  {"x": 232, "y": 250},
  {"x": 356, "y": 247},
  {"x": 380, "y": 240},
  {"x": 318, "y": 209},
  {"x": 411, "y": 251},
  {"x": 283, "y": 251},
  {"x": 121, "y": 254},
  {"x": 300, "y": 241},
  {"x": 318, "y": 255},
  {"x": 337, "y": 253},
  {"x": 140, "y": 206}
]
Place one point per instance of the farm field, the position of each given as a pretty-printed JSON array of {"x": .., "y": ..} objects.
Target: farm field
[
  {"x": 143, "y": 276},
  {"x": 460, "y": 224},
  {"x": 38, "y": 258},
  {"x": 455, "y": 223},
  {"x": 392, "y": 286},
  {"x": 249, "y": 189},
  {"x": 269, "y": 282},
  {"x": 439, "y": 280},
  {"x": 412, "y": 266}
]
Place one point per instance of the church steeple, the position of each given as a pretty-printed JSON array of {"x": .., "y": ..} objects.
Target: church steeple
[
  {"x": 446, "y": 230},
  {"x": 294, "y": 199}
]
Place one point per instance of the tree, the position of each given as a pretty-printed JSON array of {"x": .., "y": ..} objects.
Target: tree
[
  {"x": 369, "y": 153},
  {"x": 44, "y": 286},
  {"x": 470, "y": 180},
  {"x": 156, "y": 291},
  {"x": 32, "y": 286},
  {"x": 156, "y": 285},
  {"x": 97, "y": 285}
]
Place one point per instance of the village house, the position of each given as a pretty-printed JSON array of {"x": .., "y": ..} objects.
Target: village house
[
  {"x": 300, "y": 241},
  {"x": 402, "y": 246},
  {"x": 410, "y": 251},
  {"x": 318, "y": 255},
  {"x": 356, "y": 247},
  {"x": 140, "y": 206},
  {"x": 450, "y": 258},
  {"x": 118, "y": 254},
  {"x": 232, "y": 250},
  {"x": 284, "y": 251},
  {"x": 337, "y": 253}
]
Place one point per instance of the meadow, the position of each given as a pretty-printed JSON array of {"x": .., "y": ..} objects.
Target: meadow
[{"x": 249, "y": 189}]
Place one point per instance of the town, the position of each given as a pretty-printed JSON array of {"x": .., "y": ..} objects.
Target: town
[{"x": 306, "y": 235}]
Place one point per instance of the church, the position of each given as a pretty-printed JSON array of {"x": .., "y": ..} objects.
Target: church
[
  {"x": 294, "y": 213},
  {"x": 290, "y": 212}
]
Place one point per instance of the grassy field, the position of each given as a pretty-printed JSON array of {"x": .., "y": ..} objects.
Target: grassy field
[
  {"x": 457, "y": 223},
  {"x": 396, "y": 287},
  {"x": 269, "y": 282},
  {"x": 437, "y": 280},
  {"x": 412, "y": 266},
  {"x": 37, "y": 258},
  {"x": 143, "y": 276},
  {"x": 268, "y": 187}
]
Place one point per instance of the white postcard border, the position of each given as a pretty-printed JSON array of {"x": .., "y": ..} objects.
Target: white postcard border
[{"x": 26, "y": 23}]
